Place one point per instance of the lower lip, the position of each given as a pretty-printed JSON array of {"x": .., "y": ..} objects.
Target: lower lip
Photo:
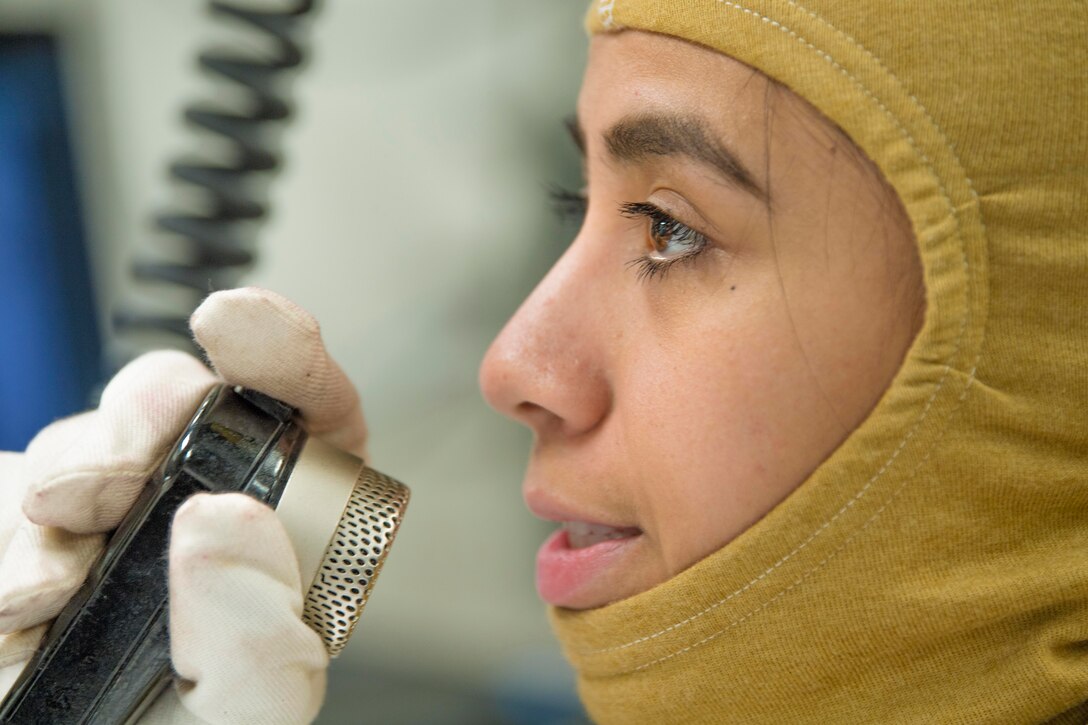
[{"x": 563, "y": 574}]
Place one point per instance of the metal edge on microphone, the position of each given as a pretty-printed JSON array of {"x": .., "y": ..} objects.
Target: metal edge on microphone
[{"x": 330, "y": 490}]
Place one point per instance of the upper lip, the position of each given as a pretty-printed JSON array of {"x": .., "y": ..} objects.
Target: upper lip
[{"x": 545, "y": 506}]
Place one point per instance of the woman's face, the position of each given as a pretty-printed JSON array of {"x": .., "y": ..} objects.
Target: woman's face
[{"x": 742, "y": 290}]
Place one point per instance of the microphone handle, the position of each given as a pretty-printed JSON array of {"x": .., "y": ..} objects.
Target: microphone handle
[{"x": 107, "y": 655}]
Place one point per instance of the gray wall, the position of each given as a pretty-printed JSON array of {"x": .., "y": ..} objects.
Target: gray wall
[{"x": 411, "y": 219}]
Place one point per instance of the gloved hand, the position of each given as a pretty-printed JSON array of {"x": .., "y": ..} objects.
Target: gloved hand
[{"x": 237, "y": 640}]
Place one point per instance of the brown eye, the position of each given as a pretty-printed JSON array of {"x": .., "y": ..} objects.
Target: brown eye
[{"x": 667, "y": 240}]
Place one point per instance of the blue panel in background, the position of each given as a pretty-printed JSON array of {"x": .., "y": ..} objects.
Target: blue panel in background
[{"x": 49, "y": 343}]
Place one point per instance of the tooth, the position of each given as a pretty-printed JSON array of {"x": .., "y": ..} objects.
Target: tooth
[{"x": 581, "y": 534}]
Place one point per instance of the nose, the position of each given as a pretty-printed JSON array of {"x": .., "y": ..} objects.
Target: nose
[{"x": 548, "y": 368}]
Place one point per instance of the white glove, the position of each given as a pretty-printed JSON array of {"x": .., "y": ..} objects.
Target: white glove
[{"x": 237, "y": 640}]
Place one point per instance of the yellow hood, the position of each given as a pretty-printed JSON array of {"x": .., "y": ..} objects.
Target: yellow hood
[{"x": 935, "y": 568}]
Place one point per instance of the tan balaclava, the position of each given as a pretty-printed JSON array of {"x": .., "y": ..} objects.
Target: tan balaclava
[{"x": 935, "y": 568}]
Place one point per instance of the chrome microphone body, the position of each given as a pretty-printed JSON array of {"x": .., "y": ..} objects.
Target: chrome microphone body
[{"x": 107, "y": 655}]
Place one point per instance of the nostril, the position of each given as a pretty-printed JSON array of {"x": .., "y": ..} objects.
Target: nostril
[{"x": 535, "y": 416}]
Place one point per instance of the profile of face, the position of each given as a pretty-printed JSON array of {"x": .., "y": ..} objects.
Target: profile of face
[{"x": 743, "y": 289}]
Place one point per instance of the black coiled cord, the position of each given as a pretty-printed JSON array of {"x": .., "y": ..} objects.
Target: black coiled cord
[{"x": 219, "y": 243}]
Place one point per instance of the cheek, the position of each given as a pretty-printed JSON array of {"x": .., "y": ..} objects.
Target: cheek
[
  {"x": 854, "y": 313},
  {"x": 720, "y": 414}
]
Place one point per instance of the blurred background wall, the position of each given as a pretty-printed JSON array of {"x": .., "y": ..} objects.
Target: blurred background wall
[{"x": 411, "y": 219}]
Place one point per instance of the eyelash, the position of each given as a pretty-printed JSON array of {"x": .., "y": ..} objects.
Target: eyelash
[
  {"x": 666, "y": 226},
  {"x": 571, "y": 206}
]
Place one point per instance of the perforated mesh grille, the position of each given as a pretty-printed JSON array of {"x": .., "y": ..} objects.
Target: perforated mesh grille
[{"x": 354, "y": 557}]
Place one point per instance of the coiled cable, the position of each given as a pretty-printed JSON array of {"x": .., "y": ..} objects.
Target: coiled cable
[{"x": 217, "y": 242}]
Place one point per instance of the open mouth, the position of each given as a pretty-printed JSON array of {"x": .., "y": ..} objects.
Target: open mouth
[
  {"x": 579, "y": 563},
  {"x": 581, "y": 535}
]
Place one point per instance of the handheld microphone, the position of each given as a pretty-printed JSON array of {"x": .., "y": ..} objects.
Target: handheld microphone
[{"x": 107, "y": 655}]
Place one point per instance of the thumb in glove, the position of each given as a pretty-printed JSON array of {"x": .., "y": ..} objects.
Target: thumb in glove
[{"x": 237, "y": 639}]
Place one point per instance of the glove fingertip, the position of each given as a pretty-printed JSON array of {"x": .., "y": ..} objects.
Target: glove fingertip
[
  {"x": 204, "y": 510},
  {"x": 84, "y": 472},
  {"x": 239, "y": 313},
  {"x": 80, "y": 503},
  {"x": 144, "y": 382},
  {"x": 229, "y": 529}
]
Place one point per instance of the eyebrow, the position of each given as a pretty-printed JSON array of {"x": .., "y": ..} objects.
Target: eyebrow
[{"x": 638, "y": 137}]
